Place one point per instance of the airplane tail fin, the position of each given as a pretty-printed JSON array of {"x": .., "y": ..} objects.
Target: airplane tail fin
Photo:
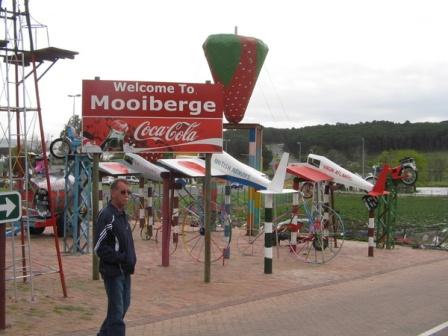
[
  {"x": 380, "y": 185},
  {"x": 280, "y": 174}
]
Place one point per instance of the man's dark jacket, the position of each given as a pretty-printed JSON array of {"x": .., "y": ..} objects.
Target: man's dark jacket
[{"x": 113, "y": 243}]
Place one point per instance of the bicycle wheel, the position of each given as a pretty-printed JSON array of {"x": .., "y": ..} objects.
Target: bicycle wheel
[
  {"x": 193, "y": 236},
  {"x": 150, "y": 231},
  {"x": 307, "y": 189},
  {"x": 60, "y": 148},
  {"x": 173, "y": 241},
  {"x": 320, "y": 237},
  {"x": 250, "y": 240},
  {"x": 409, "y": 176},
  {"x": 158, "y": 232}
]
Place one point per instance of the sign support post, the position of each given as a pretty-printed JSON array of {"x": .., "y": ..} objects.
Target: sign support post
[
  {"x": 95, "y": 211},
  {"x": 207, "y": 217},
  {"x": 2, "y": 277},
  {"x": 10, "y": 211}
]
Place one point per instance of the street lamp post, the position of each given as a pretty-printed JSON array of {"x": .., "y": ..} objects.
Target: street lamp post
[
  {"x": 300, "y": 151},
  {"x": 74, "y": 100},
  {"x": 362, "y": 157}
]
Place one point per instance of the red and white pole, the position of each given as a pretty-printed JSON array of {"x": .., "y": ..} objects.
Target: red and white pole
[
  {"x": 227, "y": 222},
  {"x": 371, "y": 232},
  {"x": 294, "y": 226},
  {"x": 149, "y": 209},
  {"x": 175, "y": 215},
  {"x": 141, "y": 213}
]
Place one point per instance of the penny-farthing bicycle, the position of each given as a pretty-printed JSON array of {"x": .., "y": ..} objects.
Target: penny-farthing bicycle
[
  {"x": 193, "y": 229},
  {"x": 319, "y": 228}
]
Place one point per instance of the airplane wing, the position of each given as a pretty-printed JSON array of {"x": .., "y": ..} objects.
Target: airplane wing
[
  {"x": 307, "y": 172},
  {"x": 192, "y": 167},
  {"x": 147, "y": 169},
  {"x": 236, "y": 171},
  {"x": 117, "y": 168}
]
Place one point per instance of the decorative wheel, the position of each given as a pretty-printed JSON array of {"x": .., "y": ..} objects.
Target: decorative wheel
[
  {"x": 320, "y": 236},
  {"x": 60, "y": 148},
  {"x": 193, "y": 235}
]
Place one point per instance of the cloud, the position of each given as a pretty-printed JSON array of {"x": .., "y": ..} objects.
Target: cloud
[{"x": 350, "y": 93}]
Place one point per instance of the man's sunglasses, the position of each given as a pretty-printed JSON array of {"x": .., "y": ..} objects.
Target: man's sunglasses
[{"x": 124, "y": 192}]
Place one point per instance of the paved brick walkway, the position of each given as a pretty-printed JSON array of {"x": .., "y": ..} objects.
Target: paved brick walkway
[{"x": 171, "y": 298}]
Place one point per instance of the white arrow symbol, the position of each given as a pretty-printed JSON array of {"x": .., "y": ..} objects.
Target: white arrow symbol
[{"x": 8, "y": 207}]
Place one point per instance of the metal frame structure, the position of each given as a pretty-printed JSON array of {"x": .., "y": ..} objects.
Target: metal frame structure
[
  {"x": 78, "y": 203},
  {"x": 387, "y": 215},
  {"x": 21, "y": 116}
]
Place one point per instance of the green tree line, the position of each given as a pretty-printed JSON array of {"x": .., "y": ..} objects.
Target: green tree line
[
  {"x": 347, "y": 144},
  {"x": 376, "y": 136}
]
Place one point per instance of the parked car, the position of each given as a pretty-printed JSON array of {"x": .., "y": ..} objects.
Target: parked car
[
  {"x": 235, "y": 185},
  {"x": 131, "y": 179},
  {"x": 107, "y": 180}
]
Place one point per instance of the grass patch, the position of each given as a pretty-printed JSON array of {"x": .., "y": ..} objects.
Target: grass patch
[
  {"x": 62, "y": 309},
  {"x": 412, "y": 211}
]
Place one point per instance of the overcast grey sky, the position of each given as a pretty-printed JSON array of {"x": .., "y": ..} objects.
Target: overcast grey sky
[{"x": 329, "y": 61}]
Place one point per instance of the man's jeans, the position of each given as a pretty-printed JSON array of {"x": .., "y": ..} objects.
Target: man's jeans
[{"x": 118, "y": 291}]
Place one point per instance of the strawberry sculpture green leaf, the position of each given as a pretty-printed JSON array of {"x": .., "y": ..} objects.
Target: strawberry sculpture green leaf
[{"x": 235, "y": 61}]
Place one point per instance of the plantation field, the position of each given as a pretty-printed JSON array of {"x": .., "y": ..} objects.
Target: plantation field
[{"x": 412, "y": 211}]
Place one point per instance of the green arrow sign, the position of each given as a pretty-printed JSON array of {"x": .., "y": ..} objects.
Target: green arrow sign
[{"x": 10, "y": 207}]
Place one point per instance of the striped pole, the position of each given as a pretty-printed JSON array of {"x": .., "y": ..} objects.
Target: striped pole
[
  {"x": 294, "y": 226},
  {"x": 326, "y": 204},
  {"x": 227, "y": 222},
  {"x": 175, "y": 215},
  {"x": 141, "y": 213},
  {"x": 371, "y": 231},
  {"x": 100, "y": 195},
  {"x": 268, "y": 235},
  {"x": 254, "y": 203},
  {"x": 149, "y": 209}
]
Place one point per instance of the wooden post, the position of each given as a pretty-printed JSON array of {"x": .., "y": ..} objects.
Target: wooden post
[
  {"x": 2, "y": 276},
  {"x": 207, "y": 217},
  {"x": 166, "y": 223},
  {"x": 97, "y": 190}
]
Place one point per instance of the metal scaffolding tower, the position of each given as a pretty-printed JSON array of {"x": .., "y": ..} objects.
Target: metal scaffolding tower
[{"x": 21, "y": 129}]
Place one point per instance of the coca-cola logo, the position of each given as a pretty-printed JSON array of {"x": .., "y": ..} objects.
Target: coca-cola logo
[{"x": 181, "y": 131}]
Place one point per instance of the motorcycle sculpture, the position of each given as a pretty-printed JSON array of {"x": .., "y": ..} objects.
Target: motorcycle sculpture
[{"x": 406, "y": 172}]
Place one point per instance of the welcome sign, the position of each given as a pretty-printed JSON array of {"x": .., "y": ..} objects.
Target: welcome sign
[{"x": 147, "y": 117}]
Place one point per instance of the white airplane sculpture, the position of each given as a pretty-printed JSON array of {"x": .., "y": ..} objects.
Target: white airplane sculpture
[
  {"x": 225, "y": 166},
  {"x": 222, "y": 165},
  {"x": 319, "y": 168}
]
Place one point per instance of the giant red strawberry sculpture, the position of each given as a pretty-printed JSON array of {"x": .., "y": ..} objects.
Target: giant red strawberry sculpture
[{"x": 235, "y": 61}]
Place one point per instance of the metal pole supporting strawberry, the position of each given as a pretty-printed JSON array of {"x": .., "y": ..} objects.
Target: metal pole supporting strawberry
[{"x": 235, "y": 61}]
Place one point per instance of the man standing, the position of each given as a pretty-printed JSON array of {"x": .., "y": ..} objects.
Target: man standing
[{"x": 114, "y": 246}]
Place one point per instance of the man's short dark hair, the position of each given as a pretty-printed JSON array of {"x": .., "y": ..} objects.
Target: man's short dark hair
[{"x": 114, "y": 184}]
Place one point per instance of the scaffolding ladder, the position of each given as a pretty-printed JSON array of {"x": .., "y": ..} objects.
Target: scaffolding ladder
[{"x": 21, "y": 129}]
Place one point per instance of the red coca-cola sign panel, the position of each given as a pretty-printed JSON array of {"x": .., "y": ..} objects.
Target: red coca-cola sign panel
[{"x": 159, "y": 117}]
